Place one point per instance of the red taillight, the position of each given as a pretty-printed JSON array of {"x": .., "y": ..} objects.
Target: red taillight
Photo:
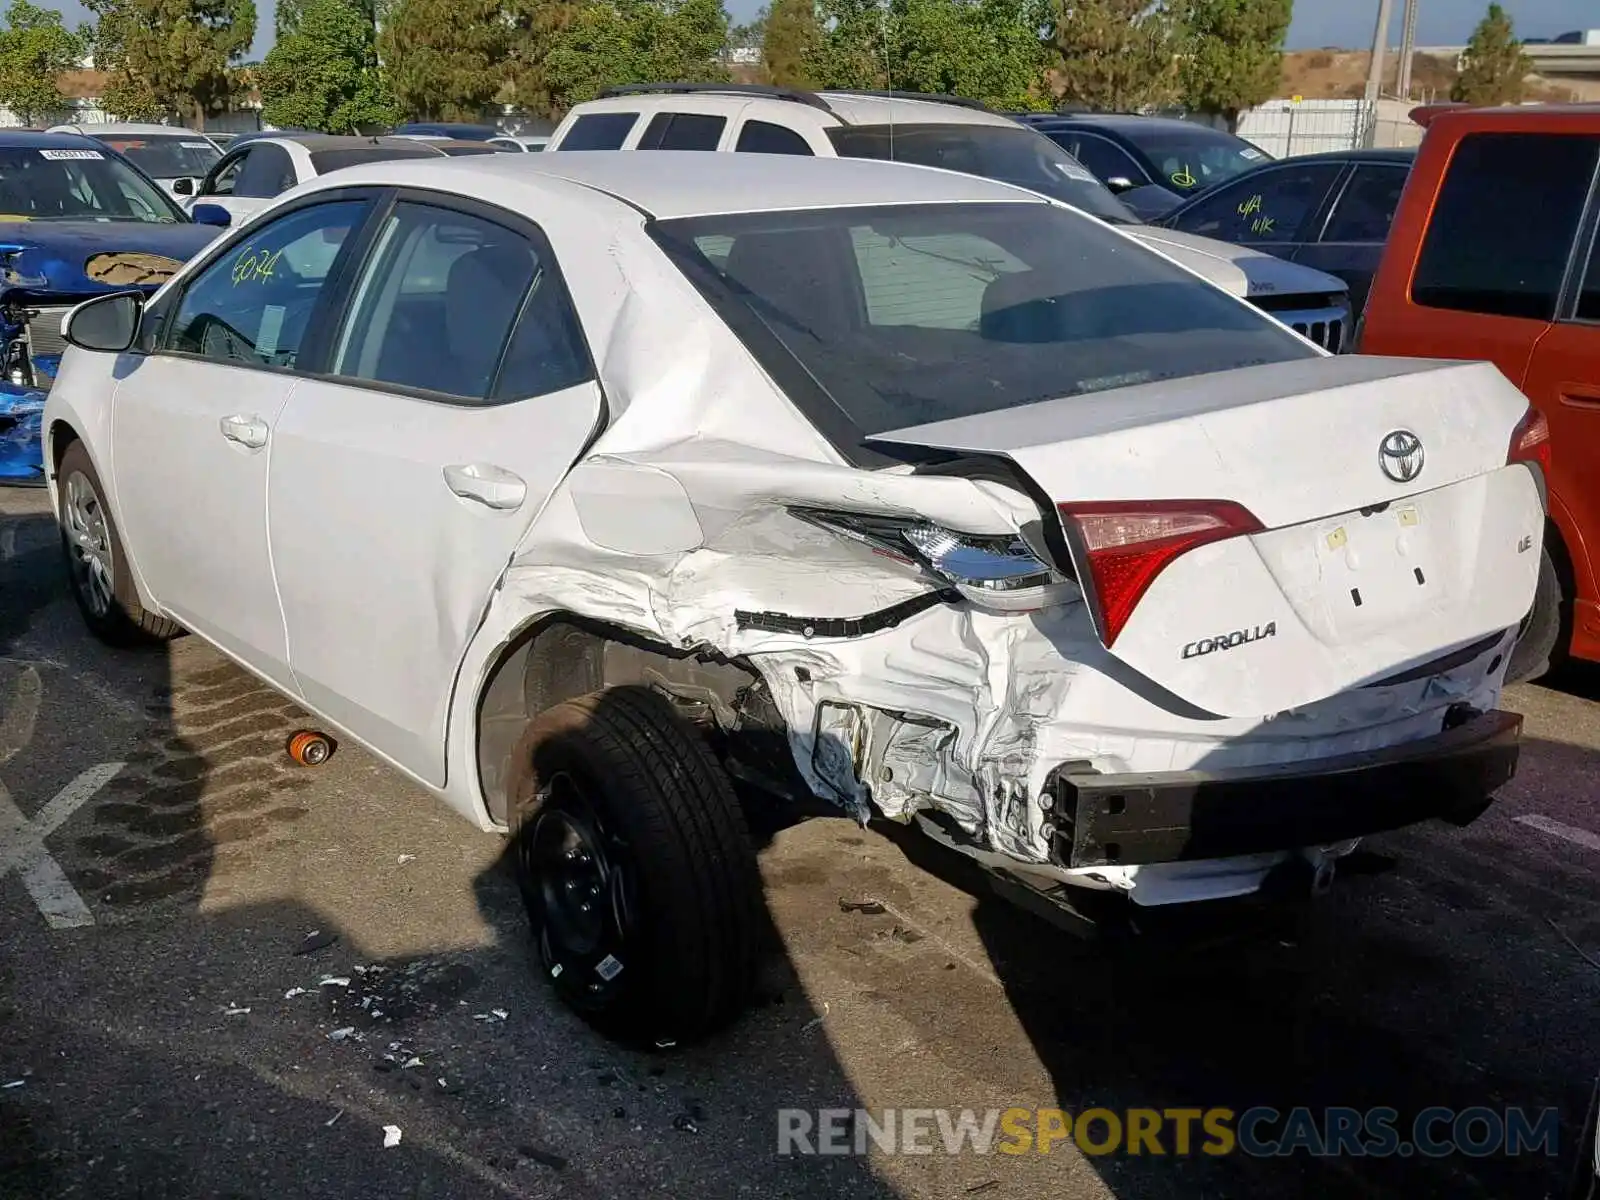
[
  {"x": 1530, "y": 441},
  {"x": 1129, "y": 542}
]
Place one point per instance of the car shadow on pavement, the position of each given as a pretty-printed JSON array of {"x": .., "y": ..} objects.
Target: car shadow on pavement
[{"x": 1433, "y": 974}]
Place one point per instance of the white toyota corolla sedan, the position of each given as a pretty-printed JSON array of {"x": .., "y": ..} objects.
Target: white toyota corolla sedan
[{"x": 578, "y": 486}]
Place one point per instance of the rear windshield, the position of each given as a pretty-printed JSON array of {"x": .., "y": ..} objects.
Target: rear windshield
[
  {"x": 457, "y": 149},
  {"x": 323, "y": 161},
  {"x": 1189, "y": 161},
  {"x": 78, "y": 184},
  {"x": 164, "y": 156},
  {"x": 1010, "y": 154},
  {"x": 908, "y": 314}
]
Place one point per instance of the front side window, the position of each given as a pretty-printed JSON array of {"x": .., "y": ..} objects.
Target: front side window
[
  {"x": 682, "y": 131},
  {"x": 165, "y": 156},
  {"x": 600, "y": 131},
  {"x": 1272, "y": 206},
  {"x": 91, "y": 184},
  {"x": 224, "y": 176},
  {"x": 919, "y": 313},
  {"x": 1106, "y": 159},
  {"x": 1007, "y": 153},
  {"x": 454, "y": 304},
  {"x": 1504, "y": 222},
  {"x": 253, "y": 305}
]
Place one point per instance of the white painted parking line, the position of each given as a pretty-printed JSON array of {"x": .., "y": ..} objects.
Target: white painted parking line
[
  {"x": 22, "y": 847},
  {"x": 1568, "y": 833}
]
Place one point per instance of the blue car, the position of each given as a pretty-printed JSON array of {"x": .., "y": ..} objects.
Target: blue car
[{"x": 76, "y": 220}]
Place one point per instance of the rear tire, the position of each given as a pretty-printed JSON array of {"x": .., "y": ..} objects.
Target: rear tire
[
  {"x": 97, "y": 564},
  {"x": 636, "y": 868},
  {"x": 1539, "y": 641}
]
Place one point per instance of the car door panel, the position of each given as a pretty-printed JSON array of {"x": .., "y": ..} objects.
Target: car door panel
[
  {"x": 401, "y": 485},
  {"x": 192, "y": 427},
  {"x": 1356, "y": 228},
  {"x": 1269, "y": 210}
]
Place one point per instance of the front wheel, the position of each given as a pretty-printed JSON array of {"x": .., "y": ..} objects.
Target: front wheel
[
  {"x": 636, "y": 868},
  {"x": 97, "y": 565}
]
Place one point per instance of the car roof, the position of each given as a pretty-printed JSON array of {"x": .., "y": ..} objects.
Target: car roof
[
  {"x": 30, "y": 139},
  {"x": 1397, "y": 154},
  {"x": 315, "y": 142},
  {"x": 145, "y": 127},
  {"x": 847, "y": 107},
  {"x": 685, "y": 183},
  {"x": 1585, "y": 117},
  {"x": 1119, "y": 122}
]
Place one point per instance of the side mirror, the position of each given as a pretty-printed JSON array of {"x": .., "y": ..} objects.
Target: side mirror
[
  {"x": 107, "y": 323},
  {"x": 1120, "y": 183},
  {"x": 211, "y": 214},
  {"x": 183, "y": 187}
]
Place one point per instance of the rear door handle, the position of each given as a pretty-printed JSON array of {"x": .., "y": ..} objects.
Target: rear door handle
[
  {"x": 486, "y": 484},
  {"x": 250, "y": 432}
]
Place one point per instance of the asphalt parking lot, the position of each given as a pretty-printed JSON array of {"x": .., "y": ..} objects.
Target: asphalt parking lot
[{"x": 167, "y": 1029}]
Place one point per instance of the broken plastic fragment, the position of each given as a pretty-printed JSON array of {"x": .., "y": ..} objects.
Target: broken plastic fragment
[
  {"x": 293, "y": 992},
  {"x": 815, "y": 1021},
  {"x": 339, "y": 1035},
  {"x": 316, "y": 940},
  {"x": 405, "y": 858},
  {"x": 334, "y": 981},
  {"x": 500, "y": 1012},
  {"x": 871, "y": 908},
  {"x": 413, "y": 1061},
  {"x": 391, "y": 1136},
  {"x": 333, "y": 1120},
  {"x": 233, "y": 1010},
  {"x": 15, "y": 1083}
]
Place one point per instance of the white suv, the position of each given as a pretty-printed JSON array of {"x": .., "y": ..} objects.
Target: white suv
[
  {"x": 577, "y": 485},
  {"x": 937, "y": 131}
]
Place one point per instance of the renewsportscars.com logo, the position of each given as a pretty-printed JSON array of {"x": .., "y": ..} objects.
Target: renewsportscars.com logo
[{"x": 1258, "y": 1132}]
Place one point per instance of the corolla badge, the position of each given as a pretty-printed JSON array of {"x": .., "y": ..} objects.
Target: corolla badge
[{"x": 1400, "y": 455}]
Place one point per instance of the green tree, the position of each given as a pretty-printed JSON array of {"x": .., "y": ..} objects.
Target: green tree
[
  {"x": 751, "y": 34},
  {"x": 610, "y": 42},
  {"x": 791, "y": 38},
  {"x": 36, "y": 47},
  {"x": 325, "y": 74},
  {"x": 445, "y": 59},
  {"x": 1117, "y": 55},
  {"x": 1235, "y": 54},
  {"x": 535, "y": 28},
  {"x": 171, "y": 58},
  {"x": 1494, "y": 65},
  {"x": 987, "y": 50}
]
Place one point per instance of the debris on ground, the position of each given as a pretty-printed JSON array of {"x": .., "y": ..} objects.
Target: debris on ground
[
  {"x": 15, "y": 1083},
  {"x": 985, "y": 1186},
  {"x": 391, "y": 1136},
  {"x": 339, "y": 1035},
  {"x": 234, "y": 1010},
  {"x": 334, "y": 981},
  {"x": 405, "y": 858},
  {"x": 316, "y": 940},
  {"x": 817, "y": 1020},
  {"x": 909, "y": 937},
  {"x": 413, "y": 1061},
  {"x": 684, "y": 1123},
  {"x": 333, "y": 1120},
  {"x": 494, "y": 1014},
  {"x": 544, "y": 1158},
  {"x": 870, "y": 908},
  {"x": 293, "y": 992}
]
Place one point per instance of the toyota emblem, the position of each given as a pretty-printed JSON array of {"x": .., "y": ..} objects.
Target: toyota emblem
[{"x": 1400, "y": 455}]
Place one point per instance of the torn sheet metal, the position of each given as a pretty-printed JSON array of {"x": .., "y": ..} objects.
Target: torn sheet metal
[
  {"x": 678, "y": 526},
  {"x": 21, "y": 427}
]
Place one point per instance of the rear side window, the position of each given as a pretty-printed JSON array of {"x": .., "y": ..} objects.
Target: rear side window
[
  {"x": 1366, "y": 209},
  {"x": 683, "y": 131},
  {"x": 1504, "y": 223},
  {"x": 1272, "y": 206},
  {"x": 599, "y": 131},
  {"x": 763, "y": 137}
]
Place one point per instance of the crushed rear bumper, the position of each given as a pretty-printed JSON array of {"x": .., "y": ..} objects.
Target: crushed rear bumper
[{"x": 1178, "y": 816}]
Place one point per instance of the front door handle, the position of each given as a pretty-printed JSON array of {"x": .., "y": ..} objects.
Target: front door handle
[
  {"x": 250, "y": 432},
  {"x": 486, "y": 484}
]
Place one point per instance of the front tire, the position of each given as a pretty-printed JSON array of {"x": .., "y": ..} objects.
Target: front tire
[
  {"x": 637, "y": 871},
  {"x": 1539, "y": 641},
  {"x": 97, "y": 564}
]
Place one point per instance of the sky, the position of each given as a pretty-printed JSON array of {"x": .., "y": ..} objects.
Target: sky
[{"x": 1343, "y": 23}]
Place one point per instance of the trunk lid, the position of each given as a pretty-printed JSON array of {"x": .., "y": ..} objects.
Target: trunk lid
[{"x": 1353, "y": 574}]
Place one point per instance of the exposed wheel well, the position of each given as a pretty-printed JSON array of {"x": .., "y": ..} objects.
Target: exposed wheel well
[
  {"x": 564, "y": 656},
  {"x": 62, "y": 435}
]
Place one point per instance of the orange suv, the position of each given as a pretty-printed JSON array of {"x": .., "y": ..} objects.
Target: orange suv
[{"x": 1493, "y": 255}]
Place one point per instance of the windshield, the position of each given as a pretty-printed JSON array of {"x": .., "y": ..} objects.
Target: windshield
[
  {"x": 50, "y": 184},
  {"x": 1009, "y": 154},
  {"x": 164, "y": 156},
  {"x": 1191, "y": 161},
  {"x": 917, "y": 313}
]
